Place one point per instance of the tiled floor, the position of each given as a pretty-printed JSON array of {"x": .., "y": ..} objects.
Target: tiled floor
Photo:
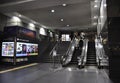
[{"x": 44, "y": 73}]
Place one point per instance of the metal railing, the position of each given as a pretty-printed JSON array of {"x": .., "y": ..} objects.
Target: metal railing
[
  {"x": 66, "y": 58},
  {"x": 83, "y": 57},
  {"x": 54, "y": 48}
]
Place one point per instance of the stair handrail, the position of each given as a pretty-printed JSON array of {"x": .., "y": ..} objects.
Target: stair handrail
[
  {"x": 83, "y": 57},
  {"x": 73, "y": 40},
  {"x": 84, "y": 60},
  {"x": 80, "y": 57}
]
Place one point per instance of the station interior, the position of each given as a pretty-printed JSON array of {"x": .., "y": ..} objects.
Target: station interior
[{"x": 59, "y": 41}]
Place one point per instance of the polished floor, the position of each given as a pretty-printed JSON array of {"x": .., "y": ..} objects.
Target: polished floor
[{"x": 45, "y": 73}]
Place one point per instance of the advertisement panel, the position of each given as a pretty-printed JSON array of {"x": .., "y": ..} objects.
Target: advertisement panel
[
  {"x": 26, "y": 49},
  {"x": 8, "y": 49}
]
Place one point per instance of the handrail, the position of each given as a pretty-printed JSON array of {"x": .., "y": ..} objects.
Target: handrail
[
  {"x": 54, "y": 47},
  {"x": 70, "y": 46},
  {"x": 66, "y": 55},
  {"x": 82, "y": 58},
  {"x": 100, "y": 53}
]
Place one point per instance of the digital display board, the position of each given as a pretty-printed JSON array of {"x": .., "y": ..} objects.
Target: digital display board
[
  {"x": 8, "y": 49},
  {"x": 26, "y": 49}
]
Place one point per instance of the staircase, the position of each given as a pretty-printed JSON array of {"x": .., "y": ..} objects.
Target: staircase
[
  {"x": 91, "y": 55},
  {"x": 61, "y": 49}
]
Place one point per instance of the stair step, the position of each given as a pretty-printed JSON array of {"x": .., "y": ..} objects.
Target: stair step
[
  {"x": 91, "y": 60},
  {"x": 91, "y": 63},
  {"x": 91, "y": 57}
]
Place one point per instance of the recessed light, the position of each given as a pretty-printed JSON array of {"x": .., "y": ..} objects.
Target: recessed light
[
  {"x": 52, "y": 11},
  {"x": 95, "y": 17},
  {"x": 31, "y": 25},
  {"x": 102, "y": 16},
  {"x": 64, "y": 4},
  {"x": 95, "y": 6},
  {"x": 61, "y": 19},
  {"x": 17, "y": 19},
  {"x": 69, "y": 69},
  {"x": 96, "y": 0},
  {"x": 68, "y": 25},
  {"x": 105, "y": 5},
  {"x": 19, "y": 15}
]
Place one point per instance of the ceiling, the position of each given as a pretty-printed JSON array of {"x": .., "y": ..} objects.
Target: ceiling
[
  {"x": 76, "y": 15},
  {"x": 114, "y": 7}
]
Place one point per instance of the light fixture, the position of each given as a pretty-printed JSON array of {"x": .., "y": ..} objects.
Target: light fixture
[
  {"x": 102, "y": 16},
  {"x": 61, "y": 19},
  {"x": 105, "y": 5},
  {"x": 68, "y": 25},
  {"x": 64, "y": 4},
  {"x": 95, "y": 6},
  {"x": 96, "y": 0},
  {"x": 15, "y": 18},
  {"x": 52, "y": 11},
  {"x": 95, "y": 17},
  {"x": 31, "y": 25},
  {"x": 19, "y": 15}
]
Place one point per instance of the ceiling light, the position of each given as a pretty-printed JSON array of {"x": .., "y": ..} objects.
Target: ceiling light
[
  {"x": 61, "y": 19},
  {"x": 105, "y": 5},
  {"x": 31, "y": 25},
  {"x": 96, "y": 0},
  {"x": 52, "y": 11},
  {"x": 69, "y": 69},
  {"x": 68, "y": 25},
  {"x": 17, "y": 19},
  {"x": 95, "y": 17},
  {"x": 64, "y": 4},
  {"x": 95, "y": 6},
  {"x": 102, "y": 16},
  {"x": 19, "y": 15}
]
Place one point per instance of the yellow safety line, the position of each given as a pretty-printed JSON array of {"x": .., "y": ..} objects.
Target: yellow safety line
[{"x": 17, "y": 68}]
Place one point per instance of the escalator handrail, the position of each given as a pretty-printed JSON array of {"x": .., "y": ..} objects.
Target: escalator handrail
[
  {"x": 70, "y": 46},
  {"x": 100, "y": 53},
  {"x": 84, "y": 53},
  {"x": 69, "y": 50}
]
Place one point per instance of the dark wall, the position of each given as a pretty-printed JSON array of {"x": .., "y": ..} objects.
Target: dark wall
[{"x": 114, "y": 45}]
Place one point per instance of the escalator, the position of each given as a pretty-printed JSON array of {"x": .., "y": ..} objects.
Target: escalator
[
  {"x": 72, "y": 57},
  {"x": 91, "y": 55}
]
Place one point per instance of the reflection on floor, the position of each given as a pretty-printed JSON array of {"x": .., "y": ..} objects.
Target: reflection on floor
[{"x": 44, "y": 73}]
